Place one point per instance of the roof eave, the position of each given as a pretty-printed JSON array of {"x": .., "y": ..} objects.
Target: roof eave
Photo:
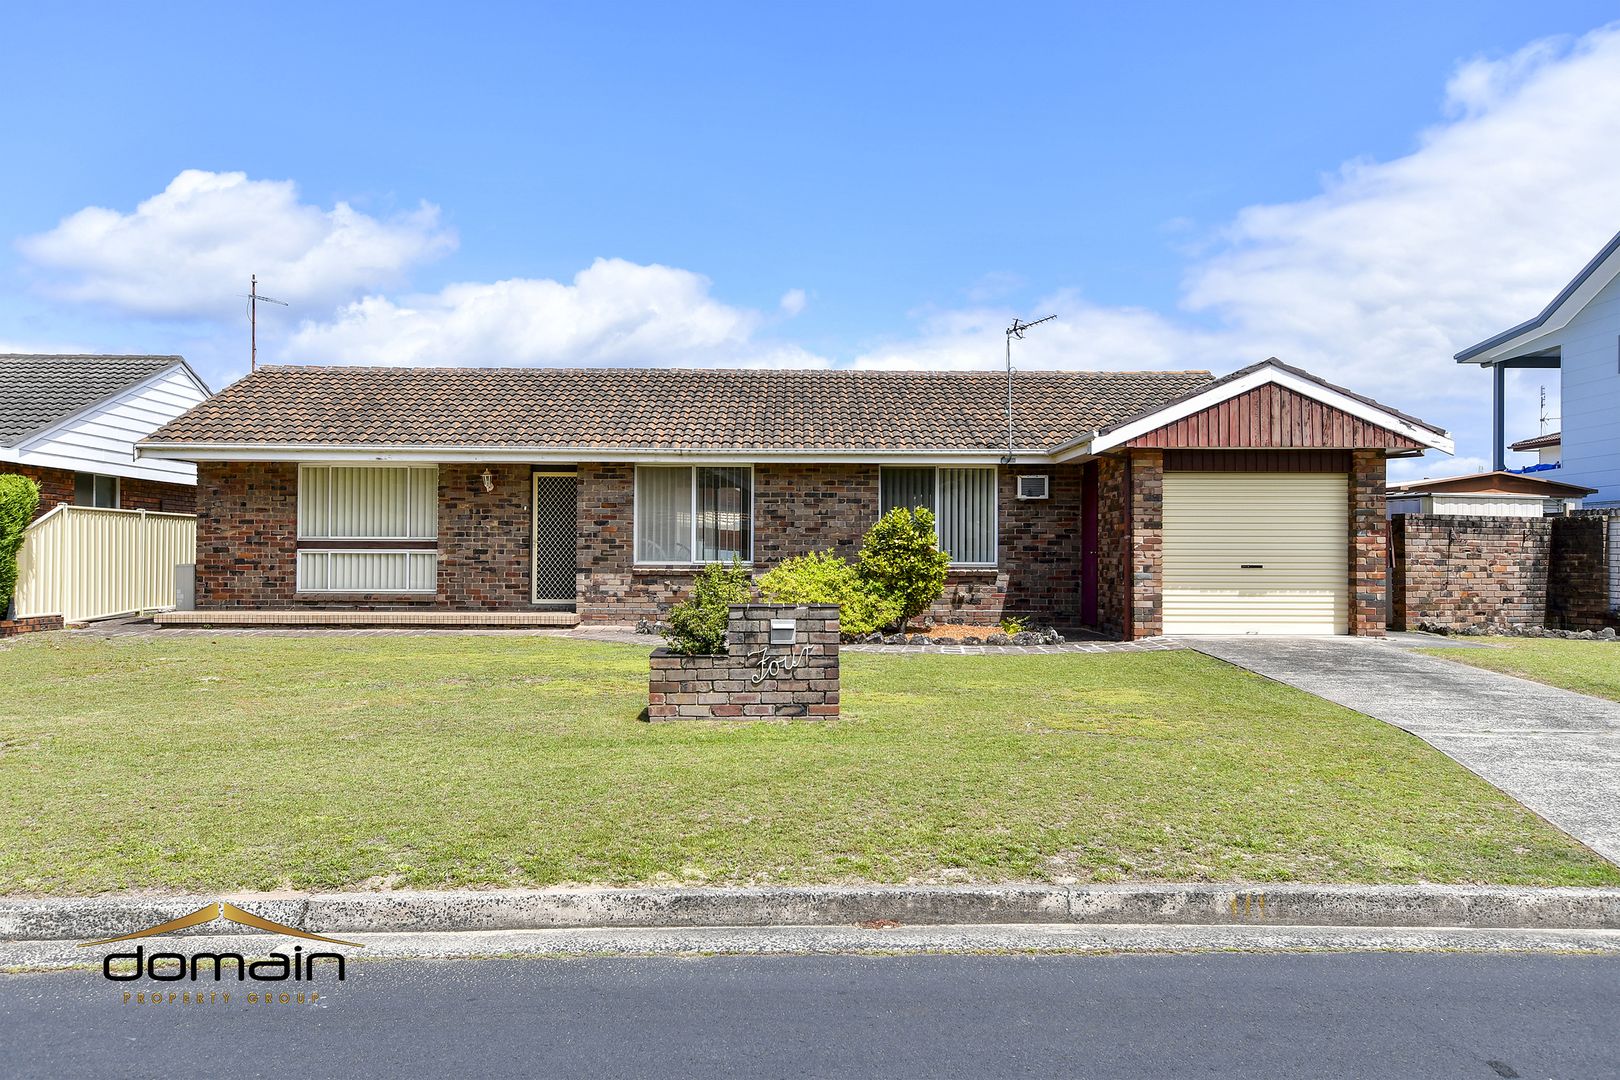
[
  {"x": 1552, "y": 317},
  {"x": 332, "y": 452}
]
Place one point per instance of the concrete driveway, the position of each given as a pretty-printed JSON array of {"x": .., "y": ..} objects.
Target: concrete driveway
[{"x": 1556, "y": 751}]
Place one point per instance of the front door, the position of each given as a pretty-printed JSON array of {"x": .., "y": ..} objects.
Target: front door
[{"x": 555, "y": 530}]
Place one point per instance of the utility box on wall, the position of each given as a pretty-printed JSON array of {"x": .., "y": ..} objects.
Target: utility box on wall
[{"x": 780, "y": 661}]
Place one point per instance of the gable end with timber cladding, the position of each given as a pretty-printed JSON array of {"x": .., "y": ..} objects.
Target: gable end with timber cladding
[{"x": 1273, "y": 417}]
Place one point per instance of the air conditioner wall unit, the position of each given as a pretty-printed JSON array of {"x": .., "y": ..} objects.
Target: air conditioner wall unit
[{"x": 1036, "y": 486}]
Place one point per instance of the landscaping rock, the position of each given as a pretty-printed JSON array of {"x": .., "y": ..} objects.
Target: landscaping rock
[
  {"x": 998, "y": 639},
  {"x": 1027, "y": 637},
  {"x": 971, "y": 640}
]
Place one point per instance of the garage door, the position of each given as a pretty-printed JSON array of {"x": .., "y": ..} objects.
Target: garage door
[{"x": 1256, "y": 553}]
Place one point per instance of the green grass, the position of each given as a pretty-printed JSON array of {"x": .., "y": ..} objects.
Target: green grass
[
  {"x": 1587, "y": 667},
  {"x": 205, "y": 764}
]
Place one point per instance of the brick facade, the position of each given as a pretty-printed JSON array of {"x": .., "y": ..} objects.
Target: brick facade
[
  {"x": 56, "y": 487},
  {"x": 247, "y": 542},
  {"x": 1369, "y": 544},
  {"x": 803, "y": 508},
  {"x": 792, "y": 682},
  {"x": 1146, "y": 487},
  {"x": 1468, "y": 573},
  {"x": 31, "y": 624}
]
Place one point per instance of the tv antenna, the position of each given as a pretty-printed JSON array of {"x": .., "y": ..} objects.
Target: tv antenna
[
  {"x": 253, "y": 297},
  {"x": 1016, "y": 330}
]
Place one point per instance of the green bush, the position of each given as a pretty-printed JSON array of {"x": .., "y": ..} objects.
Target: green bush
[
  {"x": 697, "y": 625},
  {"x": 824, "y": 578},
  {"x": 19, "y": 498},
  {"x": 1013, "y": 625},
  {"x": 901, "y": 561}
]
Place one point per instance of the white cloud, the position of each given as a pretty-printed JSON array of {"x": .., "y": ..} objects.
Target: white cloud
[
  {"x": 188, "y": 250},
  {"x": 793, "y": 302},
  {"x": 1377, "y": 280},
  {"x": 613, "y": 312}
]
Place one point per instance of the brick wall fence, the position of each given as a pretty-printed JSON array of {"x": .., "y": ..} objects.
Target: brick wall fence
[
  {"x": 1468, "y": 573},
  {"x": 753, "y": 679},
  {"x": 1578, "y": 573},
  {"x": 1481, "y": 573},
  {"x": 56, "y": 488}
]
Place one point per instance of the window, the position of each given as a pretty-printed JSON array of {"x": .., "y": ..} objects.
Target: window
[
  {"x": 963, "y": 502},
  {"x": 349, "y": 519},
  {"x": 92, "y": 490},
  {"x": 694, "y": 514}
]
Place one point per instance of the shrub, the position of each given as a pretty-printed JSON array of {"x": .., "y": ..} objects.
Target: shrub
[
  {"x": 19, "y": 498},
  {"x": 901, "y": 561},
  {"x": 1013, "y": 625},
  {"x": 697, "y": 625},
  {"x": 824, "y": 578}
]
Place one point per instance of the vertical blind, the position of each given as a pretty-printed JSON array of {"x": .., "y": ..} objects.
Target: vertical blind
[
  {"x": 367, "y": 571},
  {"x": 909, "y": 488},
  {"x": 342, "y": 502},
  {"x": 701, "y": 514},
  {"x": 963, "y": 502}
]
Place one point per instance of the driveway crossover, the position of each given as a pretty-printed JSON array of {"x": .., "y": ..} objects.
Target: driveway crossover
[{"x": 1556, "y": 751}]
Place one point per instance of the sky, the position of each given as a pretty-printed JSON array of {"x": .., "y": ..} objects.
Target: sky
[{"x": 1360, "y": 190}]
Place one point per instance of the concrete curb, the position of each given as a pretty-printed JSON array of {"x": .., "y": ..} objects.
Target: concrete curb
[{"x": 1486, "y": 907}]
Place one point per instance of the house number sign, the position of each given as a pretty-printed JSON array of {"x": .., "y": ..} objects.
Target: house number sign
[{"x": 779, "y": 666}]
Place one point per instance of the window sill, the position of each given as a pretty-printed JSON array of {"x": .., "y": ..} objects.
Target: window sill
[
  {"x": 973, "y": 569},
  {"x": 677, "y": 568},
  {"x": 369, "y": 597}
]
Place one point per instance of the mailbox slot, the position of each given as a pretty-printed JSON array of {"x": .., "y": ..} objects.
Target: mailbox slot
[{"x": 783, "y": 631}]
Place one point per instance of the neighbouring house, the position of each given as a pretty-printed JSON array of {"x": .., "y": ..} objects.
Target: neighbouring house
[
  {"x": 1547, "y": 448},
  {"x": 1136, "y": 503},
  {"x": 71, "y": 422},
  {"x": 1578, "y": 334},
  {"x": 1492, "y": 494}
]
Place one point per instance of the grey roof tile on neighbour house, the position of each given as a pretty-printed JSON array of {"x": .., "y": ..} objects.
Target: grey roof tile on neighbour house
[
  {"x": 668, "y": 409},
  {"x": 37, "y": 390}
]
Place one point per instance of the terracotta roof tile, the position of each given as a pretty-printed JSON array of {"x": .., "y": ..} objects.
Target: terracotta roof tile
[{"x": 670, "y": 409}]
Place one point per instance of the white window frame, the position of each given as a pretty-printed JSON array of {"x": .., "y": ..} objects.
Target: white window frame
[
  {"x": 635, "y": 515},
  {"x": 118, "y": 490},
  {"x": 343, "y": 545},
  {"x": 995, "y": 510}
]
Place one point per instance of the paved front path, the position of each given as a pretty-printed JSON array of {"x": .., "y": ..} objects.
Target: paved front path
[{"x": 1556, "y": 751}]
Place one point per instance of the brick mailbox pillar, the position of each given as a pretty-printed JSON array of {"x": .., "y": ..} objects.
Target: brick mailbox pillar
[{"x": 781, "y": 661}]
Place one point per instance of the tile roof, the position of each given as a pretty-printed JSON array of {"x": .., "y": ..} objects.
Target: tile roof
[
  {"x": 38, "y": 389},
  {"x": 1539, "y": 442},
  {"x": 669, "y": 409}
]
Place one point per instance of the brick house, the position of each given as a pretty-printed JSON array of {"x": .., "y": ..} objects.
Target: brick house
[
  {"x": 70, "y": 423},
  {"x": 1135, "y": 503}
]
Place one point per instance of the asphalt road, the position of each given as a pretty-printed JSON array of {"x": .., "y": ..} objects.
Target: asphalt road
[{"x": 1290, "y": 1015}]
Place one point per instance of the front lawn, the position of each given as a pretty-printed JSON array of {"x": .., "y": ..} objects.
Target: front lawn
[
  {"x": 207, "y": 764},
  {"x": 1587, "y": 667}
]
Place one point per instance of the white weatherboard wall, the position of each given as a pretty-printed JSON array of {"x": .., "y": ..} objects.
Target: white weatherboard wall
[
  {"x": 1256, "y": 553},
  {"x": 84, "y": 563},
  {"x": 1589, "y": 402},
  {"x": 1468, "y": 505},
  {"x": 103, "y": 439}
]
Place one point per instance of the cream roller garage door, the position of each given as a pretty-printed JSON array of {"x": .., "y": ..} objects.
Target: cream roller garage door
[{"x": 1256, "y": 553}]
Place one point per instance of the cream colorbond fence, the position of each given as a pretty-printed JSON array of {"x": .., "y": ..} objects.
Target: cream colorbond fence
[{"x": 85, "y": 563}]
